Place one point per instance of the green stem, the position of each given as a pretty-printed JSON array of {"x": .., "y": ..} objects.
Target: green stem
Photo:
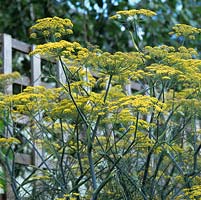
[
  {"x": 90, "y": 143},
  {"x": 133, "y": 40}
]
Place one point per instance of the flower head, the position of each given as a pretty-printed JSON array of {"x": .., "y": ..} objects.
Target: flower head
[
  {"x": 185, "y": 30},
  {"x": 133, "y": 12},
  {"x": 54, "y": 26}
]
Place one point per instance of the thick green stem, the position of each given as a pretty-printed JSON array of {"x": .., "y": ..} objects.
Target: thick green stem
[
  {"x": 134, "y": 43},
  {"x": 90, "y": 143},
  {"x": 92, "y": 170}
]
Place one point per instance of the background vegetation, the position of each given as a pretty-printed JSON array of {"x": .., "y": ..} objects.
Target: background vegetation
[{"x": 91, "y": 19}]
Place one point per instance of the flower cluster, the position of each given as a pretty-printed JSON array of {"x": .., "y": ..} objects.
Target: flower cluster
[
  {"x": 67, "y": 50},
  {"x": 133, "y": 12},
  {"x": 115, "y": 64},
  {"x": 56, "y": 27},
  {"x": 6, "y": 79},
  {"x": 193, "y": 193},
  {"x": 9, "y": 141},
  {"x": 185, "y": 30},
  {"x": 168, "y": 63},
  {"x": 162, "y": 71},
  {"x": 72, "y": 196}
]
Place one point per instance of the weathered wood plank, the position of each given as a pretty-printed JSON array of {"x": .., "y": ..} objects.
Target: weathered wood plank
[
  {"x": 7, "y": 68},
  {"x": 23, "y": 80},
  {"x": 7, "y": 58},
  {"x": 60, "y": 74},
  {"x": 21, "y": 46},
  {"x": 21, "y": 119},
  {"x": 136, "y": 86},
  {"x": 35, "y": 69},
  {"x": 48, "y": 85},
  {"x": 22, "y": 158}
]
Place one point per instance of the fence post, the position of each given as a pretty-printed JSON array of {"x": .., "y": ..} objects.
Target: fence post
[
  {"x": 7, "y": 68},
  {"x": 60, "y": 74},
  {"x": 35, "y": 69},
  {"x": 7, "y": 58}
]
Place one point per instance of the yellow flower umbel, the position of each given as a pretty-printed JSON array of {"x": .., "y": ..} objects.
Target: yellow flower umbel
[
  {"x": 128, "y": 17},
  {"x": 6, "y": 79},
  {"x": 9, "y": 141},
  {"x": 192, "y": 193},
  {"x": 186, "y": 31},
  {"x": 115, "y": 64},
  {"x": 51, "y": 27},
  {"x": 70, "y": 52},
  {"x": 132, "y": 13}
]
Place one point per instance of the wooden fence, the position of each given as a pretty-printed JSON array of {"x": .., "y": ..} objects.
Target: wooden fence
[{"x": 8, "y": 44}]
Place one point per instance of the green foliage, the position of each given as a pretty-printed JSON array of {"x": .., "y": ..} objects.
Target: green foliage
[{"x": 92, "y": 18}]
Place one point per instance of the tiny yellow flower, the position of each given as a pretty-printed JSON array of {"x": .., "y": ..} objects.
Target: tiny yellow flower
[
  {"x": 33, "y": 35},
  {"x": 57, "y": 35},
  {"x": 76, "y": 194},
  {"x": 46, "y": 33}
]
